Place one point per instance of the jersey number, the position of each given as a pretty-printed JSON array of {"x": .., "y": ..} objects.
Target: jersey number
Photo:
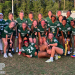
[{"x": 29, "y": 50}]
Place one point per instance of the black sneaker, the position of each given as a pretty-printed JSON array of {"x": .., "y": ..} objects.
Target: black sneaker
[
  {"x": 13, "y": 52},
  {"x": 68, "y": 55}
]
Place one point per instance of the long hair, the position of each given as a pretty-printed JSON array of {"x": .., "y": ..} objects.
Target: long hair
[
  {"x": 48, "y": 36},
  {"x": 32, "y": 27},
  {"x": 26, "y": 25},
  {"x": 45, "y": 27}
]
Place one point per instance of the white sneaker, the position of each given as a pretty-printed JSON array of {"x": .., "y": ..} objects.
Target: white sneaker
[
  {"x": 10, "y": 55},
  {"x": 49, "y": 60},
  {"x": 16, "y": 50},
  {"x": 56, "y": 57},
  {"x": 5, "y": 55}
]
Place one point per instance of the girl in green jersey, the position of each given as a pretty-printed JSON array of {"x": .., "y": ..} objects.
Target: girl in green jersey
[
  {"x": 39, "y": 18},
  {"x": 34, "y": 30},
  {"x": 60, "y": 23},
  {"x": 73, "y": 36},
  {"x": 65, "y": 31},
  {"x": 42, "y": 32},
  {"x": 54, "y": 47},
  {"x": 23, "y": 35}
]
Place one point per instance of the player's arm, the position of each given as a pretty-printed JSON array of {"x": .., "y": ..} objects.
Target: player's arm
[
  {"x": 49, "y": 30},
  {"x": 57, "y": 31},
  {"x": 19, "y": 36},
  {"x": 39, "y": 34},
  {"x": 62, "y": 34},
  {"x": 25, "y": 55},
  {"x": 55, "y": 44}
]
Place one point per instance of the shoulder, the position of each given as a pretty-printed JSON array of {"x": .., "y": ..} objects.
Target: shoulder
[
  {"x": 47, "y": 17},
  {"x": 27, "y": 19},
  {"x": 55, "y": 40},
  {"x": 24, "y": 19},
  {"x": 17, "y": 19},
  {"x": 71, "y": 17},
  {"x": 3, "y": 20},
  {"x": 7, "y": 27},
  {"x": 20, "y": 28}
]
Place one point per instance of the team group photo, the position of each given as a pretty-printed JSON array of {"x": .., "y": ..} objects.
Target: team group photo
[{"x": 38, "y": 40}]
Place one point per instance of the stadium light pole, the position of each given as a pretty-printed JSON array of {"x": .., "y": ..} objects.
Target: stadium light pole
[
  {"x": 13, "y": 8},
  {"x": 74, "y": 3},
  {"x": 64, "y": 4}
]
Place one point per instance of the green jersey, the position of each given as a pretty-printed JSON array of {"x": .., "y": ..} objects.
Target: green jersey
[
  {"x": 30, "y": 50},
  {"x": 53, "y": 27},
  {"x": 54, "y": 40},
  {"x": 58, "y": 26},
  {"x": 70, "y": 18},
  {"x": 57, "y": 18},
  {"x": 33, "y": 33},
  {"x": 48, "y": 20},
  {"x": 65, "y": 29},
  {"x": 8, "y": 22},
  {"x": 19, "y": 21},
  {"x": 2, "y": 26},
  {"x": 8, "y": 31},
  {"x": 23, "y": 32},
  {"x": 42, "y": 30},
  {"x": 73, "y": 30},
  {"x": 29, "y": 22}
]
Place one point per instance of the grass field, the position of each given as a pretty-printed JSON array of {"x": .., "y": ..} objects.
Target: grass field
[{"x": 19, "y": 65}]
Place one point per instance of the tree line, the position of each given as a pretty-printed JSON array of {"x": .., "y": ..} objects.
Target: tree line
[{"x": 36, "y": 6}]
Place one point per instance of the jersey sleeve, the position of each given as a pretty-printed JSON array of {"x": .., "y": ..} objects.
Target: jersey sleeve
[
  {"x": 19, "y": 30},
  {"x": 55, "y": 40},
  {"x": 23, "y": 50},
  {"x": 60, "y": 29},
  {"x": 7, "y": 23},
  {"x": 69, "y": 28},
  {"x": 58, "y": 25},
  {"x": 6, "y": 30},
  {"x": 38, "y": 30}
]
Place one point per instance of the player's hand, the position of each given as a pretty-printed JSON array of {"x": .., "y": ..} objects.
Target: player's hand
[
  {"x": 35, "y": 53},
  {"x": 35, "y": 33},
  {"x": 28, "y": 56},
  {"x": 49, "y": 45}
]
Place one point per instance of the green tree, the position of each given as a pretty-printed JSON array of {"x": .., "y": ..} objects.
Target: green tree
[{"x": 6, "y": 8}]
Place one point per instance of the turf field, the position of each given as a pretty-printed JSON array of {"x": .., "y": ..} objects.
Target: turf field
[{"x": 19, "y": 65}]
